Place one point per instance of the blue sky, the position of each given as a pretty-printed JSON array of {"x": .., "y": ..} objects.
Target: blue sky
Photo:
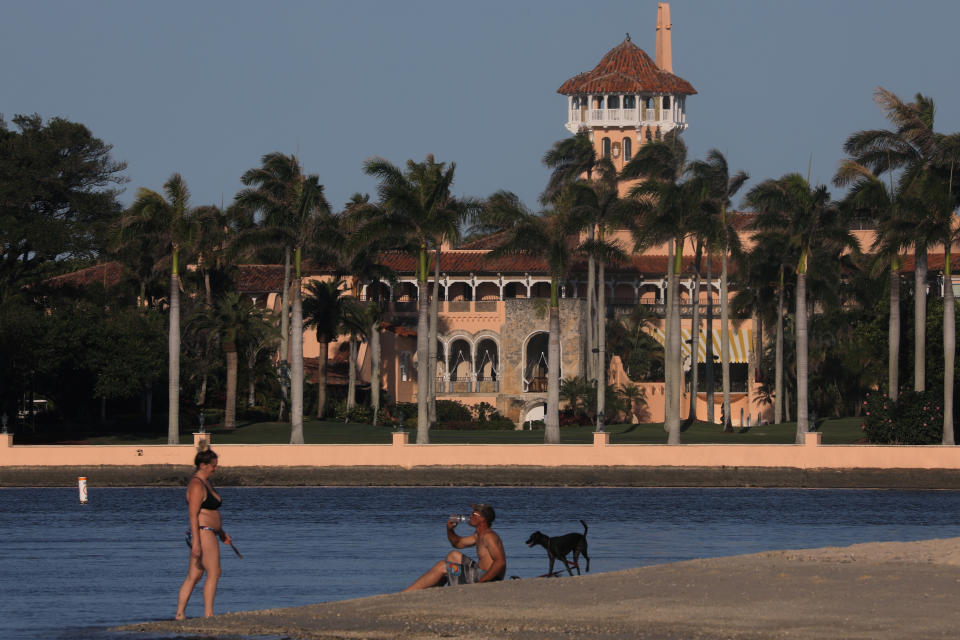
[{"x": 205, "y": 88}]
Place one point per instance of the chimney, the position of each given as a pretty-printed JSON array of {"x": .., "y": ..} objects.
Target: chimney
[{"x": 664, "y": 52}]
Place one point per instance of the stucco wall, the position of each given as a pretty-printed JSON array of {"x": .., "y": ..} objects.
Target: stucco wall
[{"x": 401, "y": 454}]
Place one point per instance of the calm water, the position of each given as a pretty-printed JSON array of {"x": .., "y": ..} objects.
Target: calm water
[{"x": 71, "y": 570}]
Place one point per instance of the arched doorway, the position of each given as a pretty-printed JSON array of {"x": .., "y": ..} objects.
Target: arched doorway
[
  {"x": 535, "y": 369},
  {"x": 461, "y": 366},
  {"x": 488, "y": 366}
]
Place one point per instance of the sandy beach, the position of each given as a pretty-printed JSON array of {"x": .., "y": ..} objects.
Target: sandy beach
[{"x": 875, "y": 590}]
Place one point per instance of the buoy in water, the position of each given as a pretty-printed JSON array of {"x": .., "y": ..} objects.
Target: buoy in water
[{"x": 82, "y": 483}]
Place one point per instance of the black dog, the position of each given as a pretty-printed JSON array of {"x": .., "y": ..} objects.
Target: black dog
[{"x": 560, "y": 546}]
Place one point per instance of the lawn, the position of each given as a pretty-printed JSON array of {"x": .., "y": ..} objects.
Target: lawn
[{"x": 835, "y": 431}]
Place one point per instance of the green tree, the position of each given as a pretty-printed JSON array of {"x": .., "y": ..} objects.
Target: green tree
[
  {"x": 166, "y": 220},
  {"x": 571, "y": 160},
  {"x": 721, "y": 187},
  {"x": 416, "y": 206},
  {"x": 295, "y": 217},
  {"x": 323, "y": 311},
  {"x": 670, "y": 205},
  {"x": 807, "y": 219},
  {"x": 58, "y": 197},
  {"x": 547, "y": 236}
]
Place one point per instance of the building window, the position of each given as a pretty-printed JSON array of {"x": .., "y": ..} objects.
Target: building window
[
  {"x": 629, "y": 102},
  {"x": 666, "y": 102},
  {"x": 627, "y": 149},
  {"x": 404, "y": 366},
  {"x": 648, "y": 103},
  {"x": 606, "y": 147},
  {"x": 613, "y": 102}
]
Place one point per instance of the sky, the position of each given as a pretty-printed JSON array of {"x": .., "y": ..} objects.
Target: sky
[{"x": 207, "y": 87}]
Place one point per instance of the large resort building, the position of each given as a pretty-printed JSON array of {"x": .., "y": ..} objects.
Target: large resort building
[
  {"x": 493, "y": 320},
  {"x": 493, "y": 311}
]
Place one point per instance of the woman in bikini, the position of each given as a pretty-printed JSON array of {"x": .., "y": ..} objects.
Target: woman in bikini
[{"x": 205, "y": 532}]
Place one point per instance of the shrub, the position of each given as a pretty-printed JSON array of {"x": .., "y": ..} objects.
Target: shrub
[
  {"x": 474, "y": 425},
  {"x": 452, "y": 411},
  {"x": 915, "y": 418},
  {"x": 257, "y": 414},
  {"x": 360, "y": 413}
]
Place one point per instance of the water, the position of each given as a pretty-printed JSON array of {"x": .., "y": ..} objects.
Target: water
[{"x": 71, "y": 571}]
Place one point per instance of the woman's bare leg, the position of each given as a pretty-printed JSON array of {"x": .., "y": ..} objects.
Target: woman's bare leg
[
  {"x": 211, "y": 565},
  {"x": 194, "y": 573}
]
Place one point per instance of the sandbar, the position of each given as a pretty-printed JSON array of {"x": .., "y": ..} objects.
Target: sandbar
[{"x": 878, "y": 591}]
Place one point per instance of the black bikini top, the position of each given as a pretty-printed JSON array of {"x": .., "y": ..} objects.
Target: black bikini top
[{"x": 211, "y": 502}]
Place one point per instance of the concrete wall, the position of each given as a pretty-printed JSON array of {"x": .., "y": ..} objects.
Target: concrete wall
[{"x": 400, "y": 453}]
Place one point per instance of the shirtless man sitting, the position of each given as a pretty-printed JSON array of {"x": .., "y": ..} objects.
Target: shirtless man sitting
[{"x": 458, "y": 568}]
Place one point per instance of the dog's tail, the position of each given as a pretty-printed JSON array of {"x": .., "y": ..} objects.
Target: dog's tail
[{"x": 584, "y": 527}]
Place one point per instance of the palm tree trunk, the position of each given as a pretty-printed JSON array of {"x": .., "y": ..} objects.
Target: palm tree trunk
[
  {"x": 949, "y": 346},
  {"x": 551, "y": 429},
  {"x": 893, "y": 364},
  {"x": 375, "y": 369},
  {"x": 352, "y": 375},
  {"x": 423, "y": 352},
  {"x": 296, "y": 364},
  {"x": 601, "y": 344},
  {"x": 694, "y": 348},
  {"x": 668, "y": 363},
  {"x": 432, "y": 347},
  {"x": 592, "y": 314},
  {"x": 173, "y": 344},
  {"x": 708, "y": 361},
  {"x": 725, "y": 341},
  {"x": 801, "y": 321},
  {"x": 778, "y": 361},
  {"x": 251, "y": 383},
  {"x": 230, "y": 411},
  {"x": 676, "y": 382},
  {"x": 322, "y": 377},
  {"x": 920, "y": 319},
  {"x": 284, "y": 329}
]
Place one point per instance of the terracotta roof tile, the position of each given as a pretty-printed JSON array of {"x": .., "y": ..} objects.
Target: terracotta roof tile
[
  {"x": 626, "y": 69},
  {"x": 108, "y": 274}
]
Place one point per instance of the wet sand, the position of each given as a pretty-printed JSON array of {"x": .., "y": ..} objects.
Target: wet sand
[
  {"x": 507, "y": 476},
  {"x": 872, "y": 591}
]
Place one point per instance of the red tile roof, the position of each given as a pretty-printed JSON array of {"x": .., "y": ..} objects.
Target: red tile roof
[
  {"x": 626, "y": 69},
  {"x": 260, "y": 278},
  {"x": 108, "y": 274}
]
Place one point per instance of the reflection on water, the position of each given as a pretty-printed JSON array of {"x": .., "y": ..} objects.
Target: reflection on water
[{"x": 71, "y": 570}]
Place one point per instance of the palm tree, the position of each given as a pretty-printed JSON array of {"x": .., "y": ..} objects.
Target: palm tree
[
  {"x": 670, "y": 204},
  {"x": 598, "y": 202},
  {"x": 236, "y": 321},
  {"x": 416, "y": 205},
  {"x": 296, "y": 213},
  {"x": 323, "y": 311},
  {"x": 570, "y": 160},
  {"x": 547, "y": 236},
  {"x": 807, "y": 220},
  {"x": 165, "y": 218},
  {"x": 911, "y": 149},
  {"x": 721, "y": 187},
  {"x": 870, "y": 197}
]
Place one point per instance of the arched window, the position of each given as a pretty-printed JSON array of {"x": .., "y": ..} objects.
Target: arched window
[
  {"x": 613, "y": 102},
  {"x": 606, "y": 147},
  {"x": 629, "y": 102},
  {"x": 666, "y": 102},
  {"x": 627, "y": 149},
  {"x": 648, "y": 103}
]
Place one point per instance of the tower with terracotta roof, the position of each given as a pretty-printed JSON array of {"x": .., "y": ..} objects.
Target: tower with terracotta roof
[{"x": 628, "y": 99}]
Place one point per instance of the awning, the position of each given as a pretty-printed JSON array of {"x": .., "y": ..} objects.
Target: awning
[{"x": 740, "y": 342}]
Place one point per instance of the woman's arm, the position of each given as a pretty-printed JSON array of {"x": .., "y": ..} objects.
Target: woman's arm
[{"x": 194, "y": 500}]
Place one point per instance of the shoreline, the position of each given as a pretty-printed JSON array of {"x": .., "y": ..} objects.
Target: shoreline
[
  {"x": 505, "y": 476},
  {"x": 881, "y": 590}
]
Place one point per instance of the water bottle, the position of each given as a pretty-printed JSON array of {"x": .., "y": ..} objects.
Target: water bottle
[{"x": 457, "y": 518}]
